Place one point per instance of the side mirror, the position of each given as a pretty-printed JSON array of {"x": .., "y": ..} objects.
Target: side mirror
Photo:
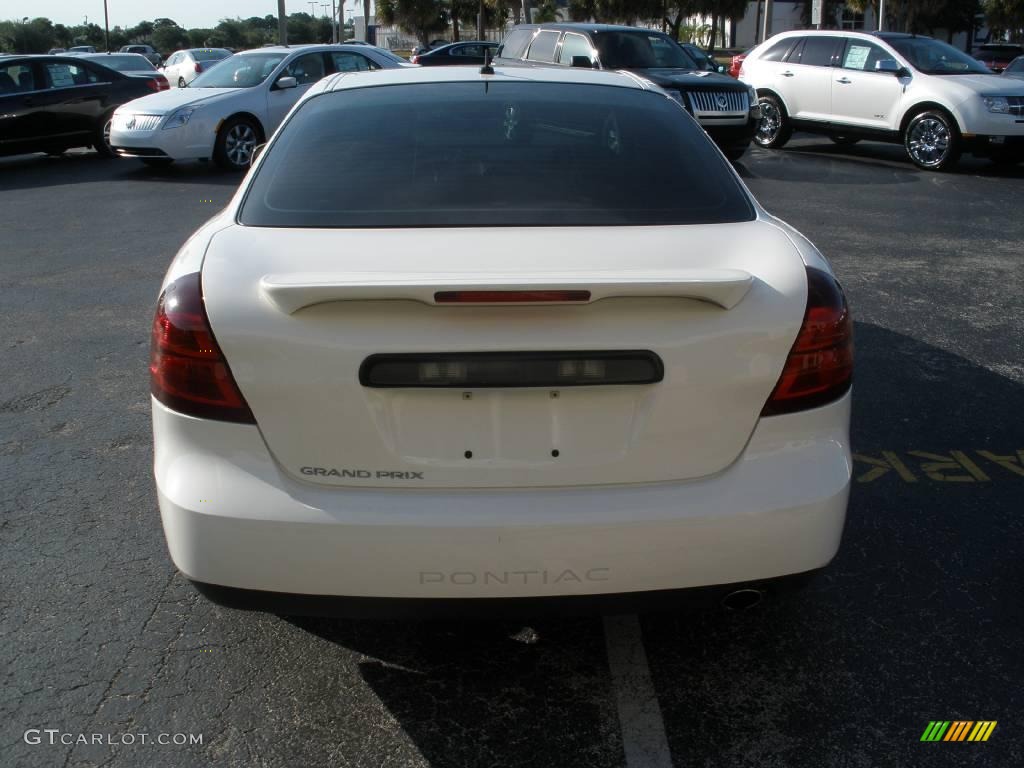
[
  {"x": 286, "y": 82},
  {"x": 891, "y": 66},
  {"x": 583, "y": 61},
  {"x": 256, "y": 153}
]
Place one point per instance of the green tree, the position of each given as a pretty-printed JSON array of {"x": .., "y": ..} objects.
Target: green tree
[
  {"x": 1006, "y": 17},
  {"x": 168, "y": 36},
  {"x": 422, "y": 18}
]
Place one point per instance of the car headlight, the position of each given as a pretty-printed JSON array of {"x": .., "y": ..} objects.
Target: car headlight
[
  {"x": 179, "y": 117},
  {"x": 998, "y": 104}
]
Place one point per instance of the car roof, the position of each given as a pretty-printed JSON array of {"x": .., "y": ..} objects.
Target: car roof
[
  {"x": 468, "y": 74},
  {"x": 582, "y": 26}
]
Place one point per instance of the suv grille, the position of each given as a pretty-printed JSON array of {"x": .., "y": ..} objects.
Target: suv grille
[
  {"x": 718, "y": 101},
  {"x": 1016, "y": 105}
]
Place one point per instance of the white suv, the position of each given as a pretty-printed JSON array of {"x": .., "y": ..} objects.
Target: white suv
[{"x": 934, "y": 99}]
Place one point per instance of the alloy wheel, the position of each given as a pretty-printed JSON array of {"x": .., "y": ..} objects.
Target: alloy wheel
[
  {"x": 771, "y": 122},
  {"x": 929, "y": 142},
  {"x": 239, "y": 144}
]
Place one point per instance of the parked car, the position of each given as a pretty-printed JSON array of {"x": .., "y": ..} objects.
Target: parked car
[
  {"x": 182, "y": 67},
  {"x": 132, "y": 64},
  {"x": 726, "y": 109},
  {"x": 702, "y": 58},
  {"x": 230, "y": 109},
  {"x": 996, "y": 56},
  {"x": 53, "y": 103},
  {"x": 1015, "y": 68},
  {"x": 470, "y": 52},
  {"x": 934, "y": 99},
  {"x": 736, "y": 63},
  {"x": 645, "y": 388},
  {"x": 54, "y": 51},
  {"x": 82, "y": 49},
  {"x": 148, "y": 51}
]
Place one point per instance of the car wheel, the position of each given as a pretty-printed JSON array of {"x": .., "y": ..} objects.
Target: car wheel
[
  {"x": 102, "y": 143},
  {"x": 181, "y": 82},
  {"x": 932, "y": 141},
  {"x": 236, "y": 143},
  {"x": 157, "y": 162},
  {"x": 844, "y": 141},
  {"x": 774, "y": 129}
]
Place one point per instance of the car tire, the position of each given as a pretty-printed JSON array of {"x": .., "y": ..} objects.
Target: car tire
[
  {"x": 157, "y": 162},
  {"x": 932, "y": 141},
  {"x": 774, "y": 129},
  {"x": 102, "y": 142},
  {"x": 844, "y": 141},
  {"x": 236, "y": 142},
  {"x": 181, "y": 82}
]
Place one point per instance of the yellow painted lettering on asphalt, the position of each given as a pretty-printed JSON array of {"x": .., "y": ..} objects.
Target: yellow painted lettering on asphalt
[
  {"x": 963, "y": 469},
  {"x": 889, "y": 462},
  {"x": 1013, "y": 463}
]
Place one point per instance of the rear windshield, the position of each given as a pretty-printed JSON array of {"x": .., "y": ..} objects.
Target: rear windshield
[
  {"x": 133, "y": 63},
  {"x": 210, "y": 54},
  {"x": 492, "y": 154}
]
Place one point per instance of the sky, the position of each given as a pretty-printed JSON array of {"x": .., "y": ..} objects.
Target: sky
[{"x": 127, "y": 13}]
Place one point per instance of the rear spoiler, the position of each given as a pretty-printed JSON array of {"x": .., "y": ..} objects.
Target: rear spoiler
[{"x": 292, "y": 292}]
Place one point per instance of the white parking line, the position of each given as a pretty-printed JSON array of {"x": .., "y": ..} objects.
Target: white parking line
[{"x": 643, "y": 731}]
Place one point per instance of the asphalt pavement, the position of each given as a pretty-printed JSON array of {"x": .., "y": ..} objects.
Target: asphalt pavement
[{"x": 918, "y": 619}]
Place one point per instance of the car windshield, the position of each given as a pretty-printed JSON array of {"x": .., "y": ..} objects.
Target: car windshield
[
  {"x": 128, "y": 63},
  {"x": 239, "y": 71},
  {"x": 640, "y": 50},
  {"x": 935, "y": 58},
  {"x": 492, "y": 155}
]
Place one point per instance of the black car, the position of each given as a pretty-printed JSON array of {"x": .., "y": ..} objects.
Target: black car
[
  {"x": 702, "y": 58},
  {"x": 52, "y": 103},
  {"x": 470, "y": 52},
  {"x": 725, "y": 108}
]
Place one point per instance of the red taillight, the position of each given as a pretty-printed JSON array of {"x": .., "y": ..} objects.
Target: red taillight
[
  {"x": 162, "y": 84},
  {"x": 153, "y": 84},
  {"x": 508, "y": 297},
  {"x": 187, "y": 370},
  {"x": 199, "y": 67},
  {"x": 819, "y": 368}
]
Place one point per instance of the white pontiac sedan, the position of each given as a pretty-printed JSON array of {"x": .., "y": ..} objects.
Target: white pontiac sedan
[
  {"x": 465, "y": 339},
  {"x": 227, "y": 111}
]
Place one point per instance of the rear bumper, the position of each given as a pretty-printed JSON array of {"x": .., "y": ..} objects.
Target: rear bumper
[
  {"x": 711, "y": 597},
  {"x": 233, "y": 519}
]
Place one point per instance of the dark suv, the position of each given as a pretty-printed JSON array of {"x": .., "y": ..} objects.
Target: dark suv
[{"x": 723, "y": 106}]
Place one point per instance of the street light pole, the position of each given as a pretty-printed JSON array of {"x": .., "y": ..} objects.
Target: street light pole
[
  {"x": 881, "y": 15},
  {"x": 282, "y": 24},
  {"x": 767, "y": 20},
  {"x": 106, "y": 27}
]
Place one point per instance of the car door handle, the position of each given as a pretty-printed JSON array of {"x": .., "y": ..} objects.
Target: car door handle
[
  {"x": 787, "y": 73},
  {"x": 844, "y": 80}
]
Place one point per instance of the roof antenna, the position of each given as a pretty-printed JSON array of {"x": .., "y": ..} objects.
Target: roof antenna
[{"x": 487, "y": 69}]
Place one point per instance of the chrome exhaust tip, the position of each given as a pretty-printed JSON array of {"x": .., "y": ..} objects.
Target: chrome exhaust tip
[{"x": 742, "y": 599}]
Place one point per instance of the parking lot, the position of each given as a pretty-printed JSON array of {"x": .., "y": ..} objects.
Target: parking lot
[{"x": 919, "y": 618}]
